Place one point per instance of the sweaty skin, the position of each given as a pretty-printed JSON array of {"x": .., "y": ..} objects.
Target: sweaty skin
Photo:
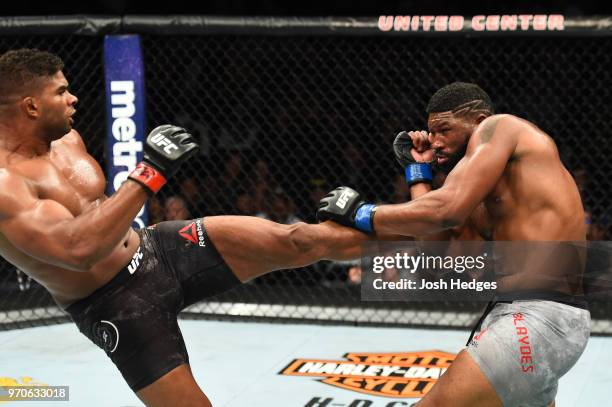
[
  {"x": 66, "y": 182},
  {"x": 514, "y": 169},
  {"x": 53, "y": 224}
]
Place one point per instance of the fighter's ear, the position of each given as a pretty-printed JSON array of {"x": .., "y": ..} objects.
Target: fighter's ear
[
  {"x": 30, "y": 107},
  {"x": 480, "y": 118}
]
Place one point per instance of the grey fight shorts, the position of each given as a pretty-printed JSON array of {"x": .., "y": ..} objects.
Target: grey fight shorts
[{"x": 524, "y": 347}]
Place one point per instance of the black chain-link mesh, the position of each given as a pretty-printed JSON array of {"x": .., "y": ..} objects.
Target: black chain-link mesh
[
  {"x": 320, "y": 112},
  {"x": 283, "y": 119},
  {"x": 330, "y": 107}
]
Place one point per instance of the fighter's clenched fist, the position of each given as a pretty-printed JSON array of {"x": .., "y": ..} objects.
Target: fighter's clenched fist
[
  {"x": 345, "y": 206},
  {"x": 166, "y": 148},
  {"x": 414, "y": 153}
]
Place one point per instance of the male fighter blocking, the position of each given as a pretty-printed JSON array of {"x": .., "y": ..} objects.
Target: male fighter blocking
[{"x": 539, "y": 326}]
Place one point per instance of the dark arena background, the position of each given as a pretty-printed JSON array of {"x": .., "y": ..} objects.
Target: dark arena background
[{"x": 288, "y": 108}]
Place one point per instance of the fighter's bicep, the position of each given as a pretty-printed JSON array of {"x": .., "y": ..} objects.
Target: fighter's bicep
[
  {"x": 478, "y": 172},
  {"x": 34, "y": 226},
  {"x": 38, "y": 230}
]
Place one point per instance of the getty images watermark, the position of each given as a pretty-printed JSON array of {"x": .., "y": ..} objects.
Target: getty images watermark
[
  {"x": 400, "y": 262},
  {"x": 478, "y": 270},
  {"x": 428, "y": 271}
]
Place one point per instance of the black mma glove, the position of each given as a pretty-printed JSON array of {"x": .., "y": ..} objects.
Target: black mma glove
[
  {"x": 345, "y": 206},
  {"x": 415, "y": 171},
  {"x": 166, "y": 148}
]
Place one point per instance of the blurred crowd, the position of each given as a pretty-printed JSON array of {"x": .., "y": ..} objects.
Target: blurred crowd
[
  {"x": 233, "y": 193},
  {"x": 598, "y": 227},
  {"x": 252, "y": 190}
]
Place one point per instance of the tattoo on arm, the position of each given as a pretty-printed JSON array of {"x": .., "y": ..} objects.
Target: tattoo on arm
[{"x": 488, "y": 128}]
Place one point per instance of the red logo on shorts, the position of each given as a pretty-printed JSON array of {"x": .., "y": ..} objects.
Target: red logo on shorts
[
  {"x": 480, "y": 334},
  {"x": 189, "y": 233},
  {"x": 522, "y": 333}
]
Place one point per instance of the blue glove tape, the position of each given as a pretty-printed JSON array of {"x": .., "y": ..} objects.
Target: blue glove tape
[
  {"x": 363, "y": 218},
  {"x": 418, "y": 172}
]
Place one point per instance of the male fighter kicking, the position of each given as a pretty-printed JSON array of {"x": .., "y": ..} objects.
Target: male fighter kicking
[{"x": 124, "y": 287}]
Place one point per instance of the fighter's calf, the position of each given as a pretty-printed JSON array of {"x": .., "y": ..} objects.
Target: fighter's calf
[{"x": 325, "y": 241}]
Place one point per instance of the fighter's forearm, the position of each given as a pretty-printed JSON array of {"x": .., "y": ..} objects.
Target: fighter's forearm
[
  {"x": 96, "y": 233},
  {"x": 420, "y": 189},
  {"x": 423, "y": 216},
  {"x": 417, "y": 191}
]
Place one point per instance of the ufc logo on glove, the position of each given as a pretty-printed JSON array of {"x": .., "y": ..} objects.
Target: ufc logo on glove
[
  {"x": 161, "y": 141},
  {"x": 343, "y": 199}
]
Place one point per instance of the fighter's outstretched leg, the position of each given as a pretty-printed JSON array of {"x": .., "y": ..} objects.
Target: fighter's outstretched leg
[{"x": 252, "y": 246}]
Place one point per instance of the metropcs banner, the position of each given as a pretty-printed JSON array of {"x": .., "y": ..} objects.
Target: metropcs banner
[{"x": 125, "y": 111}]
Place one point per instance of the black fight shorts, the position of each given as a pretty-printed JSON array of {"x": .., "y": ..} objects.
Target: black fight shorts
[{"x": 133, "y": 318}]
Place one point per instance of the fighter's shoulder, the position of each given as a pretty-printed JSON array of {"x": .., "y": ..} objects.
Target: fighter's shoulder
[
  {"x": 506, "y": 125},
  {"x": 72, "y": 138},
  {"x": 15, "y": 191},
  {"x": 500, "y": 123}
]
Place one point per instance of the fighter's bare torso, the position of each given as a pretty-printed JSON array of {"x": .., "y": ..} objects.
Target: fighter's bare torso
[
  {"x": 70, "y": 177},
  {"x": 534, "y": 200}
]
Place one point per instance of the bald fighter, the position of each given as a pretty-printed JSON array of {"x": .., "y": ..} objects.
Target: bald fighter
[
  {"x": 124, "y": 287},
  {"x": 539, "y": 325}
]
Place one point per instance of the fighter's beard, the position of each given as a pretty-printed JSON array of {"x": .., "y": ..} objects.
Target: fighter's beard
[{"x": 451, "y": 161}]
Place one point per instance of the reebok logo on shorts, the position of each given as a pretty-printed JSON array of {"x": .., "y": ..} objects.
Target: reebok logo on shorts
[
  {"x": 189, "y": 233},
  {"x": 480, "y": 334},
  {"x": 194, "y": 233}
]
